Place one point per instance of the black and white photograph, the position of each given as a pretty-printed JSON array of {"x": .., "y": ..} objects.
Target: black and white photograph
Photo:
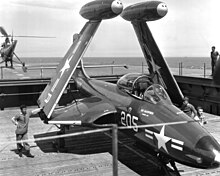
[{"x": 109, "y": 87}]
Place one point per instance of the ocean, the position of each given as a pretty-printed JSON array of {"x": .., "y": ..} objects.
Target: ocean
[{"x": 173, "y": 62}]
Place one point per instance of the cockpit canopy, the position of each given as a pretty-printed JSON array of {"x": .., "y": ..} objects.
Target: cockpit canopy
[
  {"x": 155, "y": 94},
  {"x": 134, "y": 81},
  {"x": 141, "y": 86}
]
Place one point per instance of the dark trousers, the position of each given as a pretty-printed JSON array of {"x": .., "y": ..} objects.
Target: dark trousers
[
  {"x": 20, "y": 137},
  {"x": 213, "y": 67}
]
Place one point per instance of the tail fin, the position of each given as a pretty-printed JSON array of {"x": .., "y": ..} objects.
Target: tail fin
[
  {"x": 52, "y": 93},
  {"x": 157, "y": 64}
]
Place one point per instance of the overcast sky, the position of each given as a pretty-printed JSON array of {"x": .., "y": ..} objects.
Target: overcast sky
[{"x": 190, "y": 28}]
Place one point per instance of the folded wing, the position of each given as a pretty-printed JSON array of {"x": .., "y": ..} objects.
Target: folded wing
[
  {"x": 52, "y": 93},
  {"x": 158, "y": 67}
]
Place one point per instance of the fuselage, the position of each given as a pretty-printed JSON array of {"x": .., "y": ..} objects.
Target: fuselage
[
  {"x": 189, "y": 143},
  {"x": 7, "y": 52}
]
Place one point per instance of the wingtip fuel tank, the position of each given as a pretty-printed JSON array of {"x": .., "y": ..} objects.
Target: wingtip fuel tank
[
  {"x": 145, "y": 11},
  {"x": 101, "y": 9}
]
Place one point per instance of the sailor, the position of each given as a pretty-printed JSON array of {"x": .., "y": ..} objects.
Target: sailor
[
  {"x": 201, "y": 117},
  {"x": 188, "y": 108},
  {"x": 21, "y": 121},
  {"x": 214, "y": 58}
]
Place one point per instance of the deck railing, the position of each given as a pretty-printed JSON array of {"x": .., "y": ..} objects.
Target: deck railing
[
  {"x": 42, "y": 71},
  {"x": 199, "y": 71}
]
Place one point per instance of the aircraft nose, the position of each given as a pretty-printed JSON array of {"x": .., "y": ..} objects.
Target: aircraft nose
[
  {"x": 117, "y": 6},
  {"x": 162, "y": 9},
  {"x": 209, "y": 149}
]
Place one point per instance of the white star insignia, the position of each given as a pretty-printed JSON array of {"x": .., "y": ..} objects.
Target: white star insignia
[
  {"x": 150, "y": 60},
  {"x": 66, "y": 65},
  {"x": 156, "y": 68},
  {"x": 162, "y": 140}
]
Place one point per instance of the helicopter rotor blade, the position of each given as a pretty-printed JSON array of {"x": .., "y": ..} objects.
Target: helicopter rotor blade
[
  {"x": 5, "y": 34},
  {"x": 32, "y": 36},
  {"x": 2, "y": 30},
  {"x": 27, "y": 36}
]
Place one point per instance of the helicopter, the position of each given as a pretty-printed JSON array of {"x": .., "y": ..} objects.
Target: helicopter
[
  {"x": 7, "y": 51},
  {"x": 7, "y": 48}
]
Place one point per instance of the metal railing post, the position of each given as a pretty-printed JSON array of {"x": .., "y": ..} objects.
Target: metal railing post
[
  {"x": 1, "y": 72},
  {"x": 113, "y": 66},
  {"x": 115, "y": 149},
  {"x": 41, "y": 72},
  {"x": 204, "y": 67},
  {"x": 180, "y": 68}
]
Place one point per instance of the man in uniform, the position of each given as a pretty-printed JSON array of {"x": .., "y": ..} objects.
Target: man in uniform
[
  {"x": 21, "y": 121},
  {"x": 188, "y": 108},
  {"x": 214, "y": 58},
  {"x": 201, "y": 117}
]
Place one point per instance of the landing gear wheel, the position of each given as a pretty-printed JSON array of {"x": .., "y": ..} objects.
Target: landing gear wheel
[
  {"x": 172, "y": 163},
  {"x": 167, "y": 171}
]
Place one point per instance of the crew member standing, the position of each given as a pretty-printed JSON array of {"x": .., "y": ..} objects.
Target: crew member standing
[
  {"x": 188, "y": 108},
  {"x": 214, "y": 58},
  {"x": 21, "y": 121},
  {"x": 201, "y": 116}
]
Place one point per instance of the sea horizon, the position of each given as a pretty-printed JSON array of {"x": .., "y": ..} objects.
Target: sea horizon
[{"x": 173, "y": 62}]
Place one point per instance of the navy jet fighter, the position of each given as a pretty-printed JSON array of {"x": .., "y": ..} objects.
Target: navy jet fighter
[{"x": 136, "y": 99}]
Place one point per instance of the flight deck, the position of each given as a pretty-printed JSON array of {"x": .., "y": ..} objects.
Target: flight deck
[{"x": 84, "y": 154}]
